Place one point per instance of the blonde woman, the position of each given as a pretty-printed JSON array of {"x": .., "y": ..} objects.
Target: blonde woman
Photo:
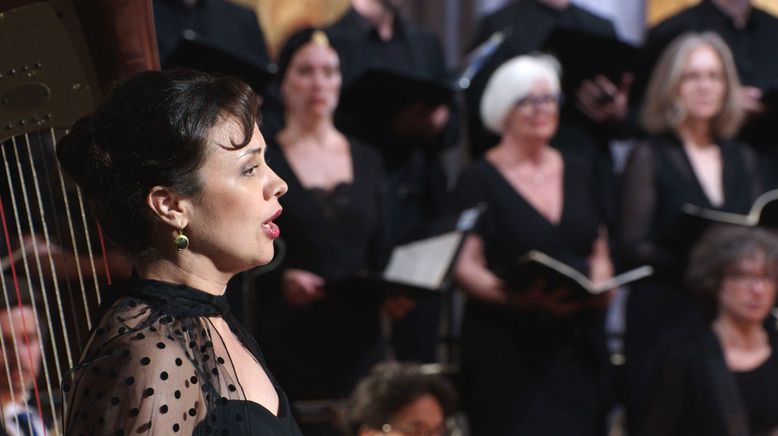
[{"x": 691, "y": 112}]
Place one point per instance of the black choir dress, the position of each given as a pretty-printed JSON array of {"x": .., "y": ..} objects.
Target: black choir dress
[
  {"x": 657, "y": 181},
  {"x": 532, "y": 373},
  {"x": 321, "y": 349},
  {"x": 156, "y": 365}
]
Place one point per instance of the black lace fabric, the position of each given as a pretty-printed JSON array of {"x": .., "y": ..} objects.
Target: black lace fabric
[
  {"x": 157, "y": 365},
  {"x": 332, "y": 202}
]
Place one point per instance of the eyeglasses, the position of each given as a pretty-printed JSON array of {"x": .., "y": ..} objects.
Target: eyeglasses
[
  {"x": 748, "y": 279},
  {"x": 537, "y": 102},
  {"x": 416, "y": 429}
]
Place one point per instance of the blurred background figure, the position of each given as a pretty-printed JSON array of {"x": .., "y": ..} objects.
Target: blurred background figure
[
  {"x": 20, "y": 363},
  {"x": 219, "y": 22},
  {"x": 595, "y": 108},
  {"x": 323, "y": 339},
  {"x": 533, "y": 361},
  {"x": 747, "y": 31},
  {"x": 400, "y": 399},
  {"x": 587, "y": 120},
  {"x": 723, "y": 378},
  {"x": 373, "y": 34},
  {"x": 691, "y": 112}
]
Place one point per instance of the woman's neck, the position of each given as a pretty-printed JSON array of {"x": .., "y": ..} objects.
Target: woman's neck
[
  {"x": 184, "y": 271},
  {"x": 696, "y": 133},
  {"x": 307, "y": 130},
  {"x": 740, "y": 335},
  {"x": 520, "y": 150}
]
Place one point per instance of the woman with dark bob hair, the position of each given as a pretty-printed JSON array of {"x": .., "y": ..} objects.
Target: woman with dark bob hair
[
  {"x": 400, "y": 399},
  {"x": 173, "y": 165},
  {"x": 724, "y": 380}
]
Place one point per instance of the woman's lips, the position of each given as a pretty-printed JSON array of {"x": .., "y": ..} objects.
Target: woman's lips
[{"x": 271, "y": 229}]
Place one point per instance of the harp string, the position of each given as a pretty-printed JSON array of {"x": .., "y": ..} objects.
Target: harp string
[
  {"x": 6, "y": 357},
  {"x": 41, "y": 280},
  {"x": 61, "y": 243},
  {"x": 74, "y": 244},
  {"x": 51, "y": 386},
  {"x": 105, "y": 253},
  {"x": 52, "y": 266},
  {"x": 87, "y": 237},
  {"x": 14, "y": 277}
]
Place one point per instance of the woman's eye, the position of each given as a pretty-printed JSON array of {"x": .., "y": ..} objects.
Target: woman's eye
[{"x": 251, "y": 170}]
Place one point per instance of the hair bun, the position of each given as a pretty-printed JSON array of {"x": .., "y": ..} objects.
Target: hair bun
[{"x": 81, "y": 156}]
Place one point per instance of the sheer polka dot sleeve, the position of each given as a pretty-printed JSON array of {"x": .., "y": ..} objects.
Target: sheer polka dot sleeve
[
  {"x": 157, "y": 364},
  {"x": 139, "y": 381}
]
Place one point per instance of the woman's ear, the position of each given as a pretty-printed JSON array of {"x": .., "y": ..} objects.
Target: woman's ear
[{"x": 168, "y": 206}]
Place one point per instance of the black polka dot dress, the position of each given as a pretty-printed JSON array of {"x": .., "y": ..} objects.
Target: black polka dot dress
[{"x": 155, "y": 365}]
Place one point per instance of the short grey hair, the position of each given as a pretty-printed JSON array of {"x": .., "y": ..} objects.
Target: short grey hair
[
  {"x": 513, "y": 81},
  {"x": 661, "y": 112}
]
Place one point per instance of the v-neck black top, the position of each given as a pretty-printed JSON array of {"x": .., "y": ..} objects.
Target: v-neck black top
[
  {"x": 155, "y": 364},
  {"x": 511, "y": 226},
  {"x": 657, "y": 181}
]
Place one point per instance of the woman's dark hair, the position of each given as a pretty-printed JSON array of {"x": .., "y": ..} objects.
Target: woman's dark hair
[
  {"x": 291, "y": 46},
  {"x": 720, "y": 249},
  {"x": 390, "y": 387},
  {"x": 152, "y": 130}
]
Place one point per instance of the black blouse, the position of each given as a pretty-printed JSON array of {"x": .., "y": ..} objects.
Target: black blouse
[
  {"x": 319, "y": 350},
  {"x": 155, "y": 364},
  {"x": 694, "y": 393},
  {"x": 657, "y": 181},
  {"x": 334, "y": 233},
  {"x": 760, "y": 394}
]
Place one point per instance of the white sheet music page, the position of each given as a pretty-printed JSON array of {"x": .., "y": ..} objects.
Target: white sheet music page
[{"x": 423, "y": 263}]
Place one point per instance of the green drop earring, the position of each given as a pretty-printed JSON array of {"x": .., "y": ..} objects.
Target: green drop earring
[{"x": 181, "y": 242}]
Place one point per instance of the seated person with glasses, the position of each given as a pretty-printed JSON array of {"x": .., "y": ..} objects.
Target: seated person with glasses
[
  {"x": 400, "y": 399},
  {"x": 724, "y": 380}
]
